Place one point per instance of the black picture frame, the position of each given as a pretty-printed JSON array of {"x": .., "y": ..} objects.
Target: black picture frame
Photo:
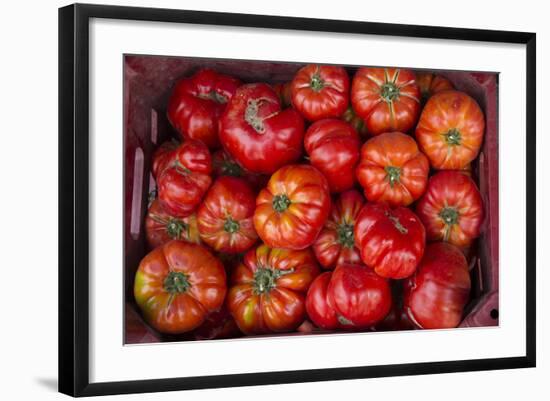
[{"x": 74, "y": 198}]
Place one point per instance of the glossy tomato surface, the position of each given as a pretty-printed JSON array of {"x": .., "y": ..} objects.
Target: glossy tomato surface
[
  {"x": 224, "y": 165},
  {"x": 391, "y": 241},
  {"x": 430, "y": 84},
  {"x": 392, "y": 169},
  {"x": 320, "y": 91},
  {"x": 450, "y": 130},
  {"x": 268, "y": 290},
  {"x": 197, "y": 103},
  {"x": 333, "y": 148},
  {"x": 257, "y": 133},
  {"x": 293, "y": 208},
  {"x": 317, "y": 307},
  {"x": 225, "y": 216},
  {"x": 184, "y": 182},
  {"x": 336, "y": 243},
  {"x": 283, "y": 90},
  {"x": 177, "y": 285},
  {"x": 387, "y": 99},
  {"x": 452, "y": 208},
  {"x": 163, "y": 156},
  {"x": 161, "y": 227},
  {"x": 356, "y": 122},
  {"x": 359, "y": 296},
  {"x": 436, "y": 294}
]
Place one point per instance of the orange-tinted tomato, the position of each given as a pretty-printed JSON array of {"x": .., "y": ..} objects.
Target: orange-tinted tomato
[{"x": 430, "y": 84}]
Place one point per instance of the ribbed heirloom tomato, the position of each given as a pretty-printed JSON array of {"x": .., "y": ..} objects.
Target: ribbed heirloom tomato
[
  {"x": 430, "y": 84},
  {"x": 225, "y": 216},
  {"x": 436, "y": 294},
  {"x": 198, "y": 102},
  {"x": 391, "y": 241},
  {"x": 333, "y": 148},
  {"x": 320, "y": 91},
  {"x": 161, "y": 227},
  {"x": 292, "y": 209},
  {"x": 392, "y": 169},
  {"x": 450, "y": 130},
  {"x": 186, "y": 179},
  {"x": 336, "y": 244},
  {"x": 163, "y": 156},
  {"x": 177, "y": 285},
  {"x": 317, "y": 307},
  {"x": 257, "y": 133},
  {"x": 451, "y": 209},
  {"x": 387, "y": 99},
  {"x": 267, "y": 292}
]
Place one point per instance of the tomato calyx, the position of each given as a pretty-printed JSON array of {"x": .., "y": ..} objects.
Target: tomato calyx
[
  {"x": 450, "y": 216},
  {"x": 231, "y": 168},
  {"x": 389, "y": 91},
  {"x": 214, "y": 96},
  {"x": 281, "y": 203},
  {"x": 342, "y": 320},
  {"x": 453, "y": 137},
  {"x": 393, "y": 174},
  {"x": 396, "y": 223},
  {"x": 251, "y": 114},
  {"x": 316, "y": 84},
  {"x": 176, "y": 283},
  {"x": 265, "y": 279},
  {"x": 181, "y": 169},
  {"x": 345, "y": 235},
  {"x": 231, "y": 226},
  {"x": 175, "y": 227}
]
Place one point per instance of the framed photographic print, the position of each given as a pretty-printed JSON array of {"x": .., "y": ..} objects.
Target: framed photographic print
[{"x": 221, "y": 200}]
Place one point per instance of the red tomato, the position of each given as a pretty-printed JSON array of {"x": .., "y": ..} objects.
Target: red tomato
[
  {"x": 336, "y": 244},
  {"x": 292, "y": 209},
  {"x": 219, "y": 324},
  {"x": 184, "y": 182},
  {"x": 224, "y": 165},
  {"x": 283, "y": 91},
  {"x": 257, "y": 133},
  {"x": 356, "y": 122},
  {"x": 268, "y": 289},
  {"x": 177, "y": 285},
  {"x": 333, "y": 147},
  {"x": 360, "y": 297},
  {"x": 392, "y": 169},
  {"x": 163, "y": 156},
  {"x": 436, "y": 294},
  {"x": 225, "y": 216},
  {"x": 198, "y": 102},
  {"x": 391, "y": 241},
  {"x": 161, "y": 227},
  {"x": 397, "y": 318},
  {"x": 430, "y": 84},
  {"x": 451, "y": 209},
  {"x": 320, "y": 91},
  {"x": 450, "y": 130},
  {"x": 388, "y": 99}
]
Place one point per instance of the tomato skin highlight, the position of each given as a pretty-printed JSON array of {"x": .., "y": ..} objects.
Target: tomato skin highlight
[
  {"x": 268, "y": 289},
  {"x": 292, "y": 209},
  {"x": 387, "y": 99},
  {"x": 436, "y": 294},
  {"x": 197, "y": 103},
  {"x": 177, "y": 285},
  {"x": 333, "y": 148},
  {"x": 320, "y": 91},
  {"x": 392, "y": 169},
  {"x": 391, "y": 241},
  {"x": 257, "y": 133},
  {"x": 450, "y": 130}
]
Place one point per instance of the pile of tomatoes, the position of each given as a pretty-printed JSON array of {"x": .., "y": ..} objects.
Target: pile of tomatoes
[{"x": 330, "y": 202}]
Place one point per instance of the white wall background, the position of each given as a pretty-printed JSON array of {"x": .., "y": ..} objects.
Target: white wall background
[{"x": 28, "y": 226}]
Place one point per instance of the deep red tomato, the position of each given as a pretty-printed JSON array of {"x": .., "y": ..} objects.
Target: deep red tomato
[
  {"x": 356, "y": 122},
  {"x": 388, "y": 99},
  {"x": 450, "y": 130},
  {"x": 359, "y": 296},
  {"x": 184, "y": 182},
  {"x": 163, "y": 156},
  {"x": 451, "y": 209},
  {"x": 397, "y": 318},
  {"x": 436, "y": 294},
  {"x": 268, "y": 289},
  {"x": 177, "y": 285},
  {"x": 283, "y": 91},
  {"x": 391, "y": 241},
  {"x": 320, "y": 91},
  {"x": 161, "y": 227},
  {"x": 333, "y": 147},
  {"x": 430, "y": 84},
  {"x": 292, "y": 209},
  {"x": 392, "y": 169},
  {"x": 225, "y": 216},
  {"x": 257, "y": 133},
  {"x": 198, "y": 102},
  {"x": 224, "y": 165},
  {"x": 335, "y": 244},
  {"x": 219, "y": 324}
]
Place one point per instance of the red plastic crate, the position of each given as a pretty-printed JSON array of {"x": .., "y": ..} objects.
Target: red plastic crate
[{"x": 148, "y": 81}]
